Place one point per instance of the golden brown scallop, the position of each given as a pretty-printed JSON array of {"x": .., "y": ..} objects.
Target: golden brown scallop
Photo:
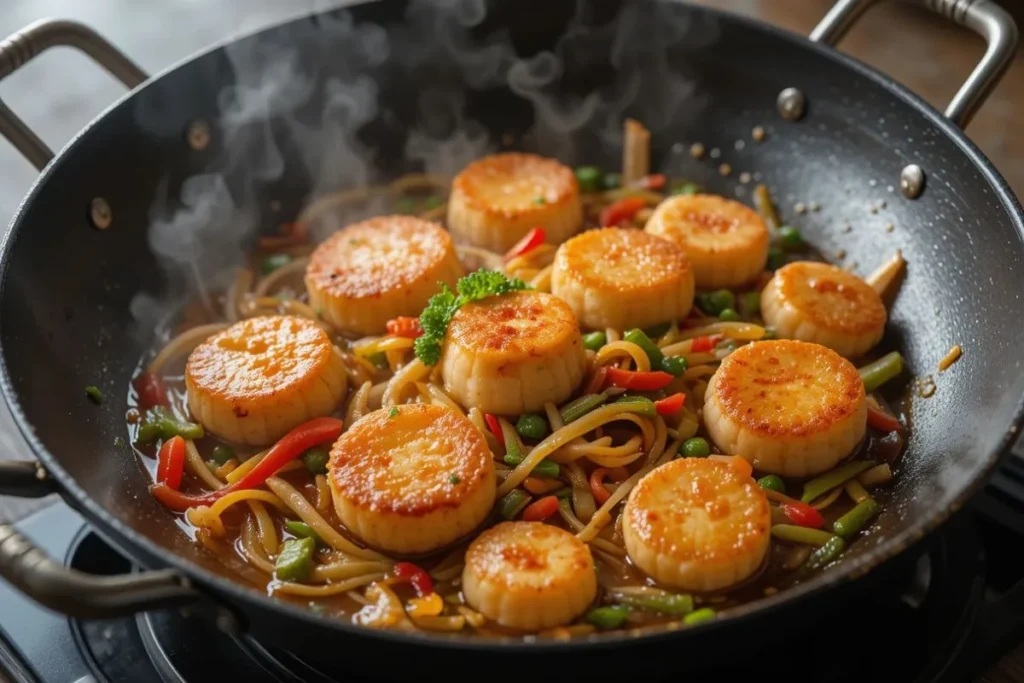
[
  {"x": 412, "y": 479},
  {"x": 370, "y": 272},
  {"x": 256, "y": 380},
  {"x": 496, "y": 200}
]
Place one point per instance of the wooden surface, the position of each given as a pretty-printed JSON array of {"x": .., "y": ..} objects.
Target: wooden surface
[{"x": 59, "y": 96}]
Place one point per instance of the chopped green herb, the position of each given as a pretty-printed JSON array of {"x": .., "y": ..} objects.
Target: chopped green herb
[
  {"x": 393, "y": 413},
  {"x": 275, "y": 261},
  {"x": 94, "y": 394},
  {"x": 454, "y": 479},
  {"x": 315, "y": 459},
  {"x": 442, "y": 307}
]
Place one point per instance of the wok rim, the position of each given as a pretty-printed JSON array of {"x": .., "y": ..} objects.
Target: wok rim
[{"x": 126, "y": 538}]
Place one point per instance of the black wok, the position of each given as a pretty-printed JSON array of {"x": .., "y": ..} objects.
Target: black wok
[{"x": 77, "y": 254}]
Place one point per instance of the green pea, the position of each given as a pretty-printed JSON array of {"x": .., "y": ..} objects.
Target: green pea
[
  {"x": 532, "y": 426},
  {"x": 608, "y": 617},
  {"x": 696, "y": 448},
  {"x": 674, "y": 365},
  {"x": 546, "y": 469},
  {"x": 657, "y": 330},
  {"x": 593, "y": 341},
  {"x": 729, "y": 315},
  {"x": 790, "y": 237},
  {"x": 315, "y": 459},
  {"x": 750, "y": 304},
  {"x": 612, "y": 181},
  {"x": 275, "y": 261},
  {"x": 222, "y": 453},
  {"x": 776, "y": 258},
  {"x": 590, "y": 178},
  {"x": 772, "y": 482},
  {"x": 295, "y": 562},
  {"x": 722, "y": 299}
]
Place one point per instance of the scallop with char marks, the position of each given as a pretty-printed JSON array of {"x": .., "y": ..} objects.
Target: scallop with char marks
[
  {"x": 370, "y": 272},
  {"x": 256, "y": 380},
  {"x": 818, "y": 302},
  {"x": 412, "y": 479},
  {"x": 788, "y": 407},
  {"x": 622, "y": 278},
  {"x": 496, "y": 200},
  {"x": 529, "y": 575},
  {"x": 725, "y": 241},
  {"x": 697, "y": 524},
  {"x": 510, "y": 354}
]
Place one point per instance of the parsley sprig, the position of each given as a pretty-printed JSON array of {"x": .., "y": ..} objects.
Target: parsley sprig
[{"x": 442, "y": 306}]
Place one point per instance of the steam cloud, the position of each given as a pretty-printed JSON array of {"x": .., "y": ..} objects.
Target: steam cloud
[{"x": 198, "y": 235}]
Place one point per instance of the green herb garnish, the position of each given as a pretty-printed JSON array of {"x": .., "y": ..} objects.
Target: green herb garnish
[
  {"x": 442, "y": 307},
  {"x": 393, "y": 413},
  {"x": 454, "y": 479},
  {"x": 94, "y": 394},
  {"x": 540, "y": 200}
]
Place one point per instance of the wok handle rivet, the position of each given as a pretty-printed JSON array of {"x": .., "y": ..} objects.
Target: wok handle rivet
[
  {"x": 198, "y": 135},
  {"x": 911, "y": 181},
  {"x": 791, "y": 104},
  {"x": 99, "y": 213}
]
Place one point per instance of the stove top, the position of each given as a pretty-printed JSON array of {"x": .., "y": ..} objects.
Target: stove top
[{"x": 933, "y": 622}]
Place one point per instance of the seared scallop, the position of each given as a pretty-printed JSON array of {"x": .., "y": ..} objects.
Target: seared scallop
[
  {"x": 256, "y": 380},
  {"x": 788, "y": 407},
  {"x": 370, "y": 272},
  {"x": 529, "y": 575},
  {"x": 697, "y": 524},
  {"x": 817, "y": 302},
  {"x": 622, "y": 278},
  {"x": 496, "y": 200},
  {"x": 725, "y": 241},
  {"x": 412, "y": 479},
  {"x": 511, "y": 354}
]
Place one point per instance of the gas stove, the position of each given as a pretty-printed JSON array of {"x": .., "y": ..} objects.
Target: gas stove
[{"x": 939, "y": 621}]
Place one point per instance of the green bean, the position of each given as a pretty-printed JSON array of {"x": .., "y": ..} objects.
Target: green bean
[
  {"x": 513, "y": 502},
  {"x": 674, "y": 604},
  {"x": 772, "y": 482},
  {"x": 882, "y": 370},
  {"x": 674, "y": 365},
  {"x": 836, "y": 477},
  {"x": 301, "y": 529},
  {"x": 825, "y": 554},
  {"x": 654, "y": 354},
  {"x": 790, "y": 237},
  {"x": 590, "y": 178},
  {"x": 855, "y": 520},
  {"x": 546, "y": 469},
  {"x": 274, "y": 261},
  {"x": 729, "y": 315},
  {"x": 222, "y": 453},
  {"x": 532, "y": 426},
  {"x": 94, "y": 394},
  {"x": 657, "y": 330},
  {"x": 593, "y": 341},
  {"x": 574, "y": 410},
  {"x": 295, "y": 562},
  {"x": 699, "y": 616},
  {"x": 315, "y": 459},
  {"x": 642, "y": 405},
  {"x": 148, "y": 433},
  {"x": 801, "y": 534},
  {"x": 608, "y": 617},
  {"x": 695, "y": 448}
]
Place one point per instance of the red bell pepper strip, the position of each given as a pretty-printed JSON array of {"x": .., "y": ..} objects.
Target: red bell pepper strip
[
  {"x": 601, "y": 494},
  {"x": 495, "y": 427},
  {"x": 655, "y": 181},
  {"x": 403, "y": 326},
  {"x": 704, "y": 344},
  {"x": 621, "y": 211},
  {"x": 803, "y": 514},
  {"x": 670, "y": 405},
  {"x": 640, "y": 381},
  {"x": 171, "y": 462},
  {"x": 151, "y": 391},
  {"x": 417, "y": 576},
  {"x": 541, "y": 509},
  {"x": 883, "y": 421},
  {"x": 293, "y": 444},
  {"x": 530, "y": 241}
]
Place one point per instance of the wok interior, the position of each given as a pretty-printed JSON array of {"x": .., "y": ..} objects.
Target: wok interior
[{"x": 67, "y": 305}]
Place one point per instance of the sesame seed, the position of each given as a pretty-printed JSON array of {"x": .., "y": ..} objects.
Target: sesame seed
[{"x": 890, "y": 227}]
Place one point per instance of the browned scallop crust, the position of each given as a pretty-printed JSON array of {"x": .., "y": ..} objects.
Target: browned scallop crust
[
  {"x": 529, "y": 556},
  {"x": 522, "y": 323},
  {"x": 787, "y": 388},
  {"x": 621, "y": 260},
  {"x": 831, "y": 298}
]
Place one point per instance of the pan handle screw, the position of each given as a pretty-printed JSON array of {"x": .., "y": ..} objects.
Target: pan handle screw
[
  {"x": 791, "y": 104},
  {"x": 99, "y": 213},
  {"x": 911, "y": 181},
  {"x": 198, "y": 135}
]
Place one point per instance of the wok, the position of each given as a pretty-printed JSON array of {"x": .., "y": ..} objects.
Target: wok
[{"x": 349, "y": 96}]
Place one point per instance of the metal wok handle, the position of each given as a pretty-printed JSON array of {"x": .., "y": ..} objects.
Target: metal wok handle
[
  {"x": 69, "y": 591},
  {"x": 36, "y": 38},
  {"x": 982, "y": 16}
]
